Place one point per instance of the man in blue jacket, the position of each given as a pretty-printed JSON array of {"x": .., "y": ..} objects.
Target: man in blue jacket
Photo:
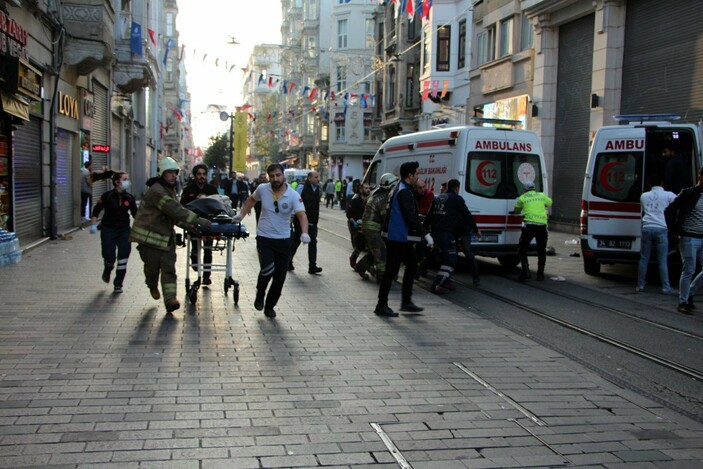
[{"x": 401, "y": 228}]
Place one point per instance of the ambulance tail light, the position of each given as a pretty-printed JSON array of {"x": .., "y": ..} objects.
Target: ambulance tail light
[
  {"x": 453, "y": 135},
  {"x": 583, "y": 219}
]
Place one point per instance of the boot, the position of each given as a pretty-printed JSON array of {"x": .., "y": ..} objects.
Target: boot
[
  {"x": 540, "y": 273},
  {"x": 525, "y": 274}
]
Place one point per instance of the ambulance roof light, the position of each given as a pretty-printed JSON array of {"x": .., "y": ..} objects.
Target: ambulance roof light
[
  {"x": 625, "y": 118},
  {"x": 504, "y": 122}
]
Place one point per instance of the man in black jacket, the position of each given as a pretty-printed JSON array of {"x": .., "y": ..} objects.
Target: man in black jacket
[
  {"x": 195, "y": 190},
  {"x": 311, "y": 193}
]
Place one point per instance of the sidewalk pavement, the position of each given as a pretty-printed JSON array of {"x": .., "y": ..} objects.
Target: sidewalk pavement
[{"x": 93, "y": 379}]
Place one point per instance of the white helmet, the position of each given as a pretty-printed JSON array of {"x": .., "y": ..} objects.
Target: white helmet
[
  {"x": 167, "y": 164},
  {"x": 387, "y": 180}
]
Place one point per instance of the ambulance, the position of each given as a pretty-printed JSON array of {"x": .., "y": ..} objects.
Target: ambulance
[
  {"x": 622, "y": 159},
  {"x": 492, "y": 160},
  {"x": 293, "y": 174}
]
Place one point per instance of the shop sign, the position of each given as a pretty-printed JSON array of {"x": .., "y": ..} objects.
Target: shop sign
[
  {"x": 13, "y": 37},
  {"x": 28, "y": 80},
  {"x": 100, "y": 148},
  {"x": 68, "y": 106},
  {"x": 87, "y": 109}
]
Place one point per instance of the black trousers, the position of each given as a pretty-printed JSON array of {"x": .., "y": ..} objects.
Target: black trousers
[
  {"x": 274, "y": 256},
  {"x": 206, "y": 257},
  {"x": 312, "y": 247},
  {"x": 530, "y": 232},
  {"x": 398, "y": 253}
]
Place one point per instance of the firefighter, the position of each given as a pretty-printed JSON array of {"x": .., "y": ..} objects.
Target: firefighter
[{"x": 153, "y": 230}]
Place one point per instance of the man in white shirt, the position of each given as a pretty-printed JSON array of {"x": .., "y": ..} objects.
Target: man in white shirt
[
  {"x": 273, "y": 235},
  {"x": 654, "y": 232}
]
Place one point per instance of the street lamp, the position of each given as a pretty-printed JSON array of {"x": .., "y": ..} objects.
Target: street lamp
[{"x": 223, "y": 117}]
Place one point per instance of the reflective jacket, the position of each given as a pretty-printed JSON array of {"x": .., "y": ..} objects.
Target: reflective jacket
[
  {"x": 158, "y": 212},
  {"x": 533, "y": 206}
]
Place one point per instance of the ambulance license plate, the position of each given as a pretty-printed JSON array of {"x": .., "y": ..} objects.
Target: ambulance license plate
[
  {"x": 615, "y": 243},
  {"x": 488, "y": 238}
]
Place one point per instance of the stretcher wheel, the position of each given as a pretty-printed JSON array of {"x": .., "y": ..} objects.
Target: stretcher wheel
[{"x": 193, "y": 294}]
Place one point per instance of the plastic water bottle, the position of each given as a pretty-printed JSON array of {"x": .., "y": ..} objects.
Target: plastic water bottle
[{"x": 572, "y": 242}]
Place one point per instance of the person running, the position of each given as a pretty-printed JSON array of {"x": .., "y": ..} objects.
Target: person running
[
  {"x": 118, "y": 204},
  {"x": 273, "y": 234},
  {"x": 533, "y": 205}
]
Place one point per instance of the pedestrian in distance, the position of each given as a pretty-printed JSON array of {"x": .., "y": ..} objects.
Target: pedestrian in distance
[
  {"x": 401, "y": 229},
  {"x": 117, "y": 204},
  {"x": 688, "y": 225},
  {"x": 329, "y": 193},
  {"x": 654, "y": 232},
  {"x": 338, "y": 192},
  {"x": 311, "y": 194},
  {"x": 153, "y": 231},
  {"x": 273, "y": 235},
  {"x": 231, "y": 189},
  {"x": 355, "y": 211},
  {"x": 448, "y": 211},
  {"x": 86, "y": 189},
  {"x": 533, "y": 205},
  {"x": 199, "y": 188},
  {"x": 375, "y": 209}
]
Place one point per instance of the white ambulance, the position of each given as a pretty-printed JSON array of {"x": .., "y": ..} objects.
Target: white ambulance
[
  {"x": 621, "y": 161},
  {"x": 492, "y": 164},
  {"x": 293, "y": 174}
]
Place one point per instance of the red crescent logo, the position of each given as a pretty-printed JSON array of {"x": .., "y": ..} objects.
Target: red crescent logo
[
  {"x": 607, "y": 169},
  {"x": 479, "y": 173}
]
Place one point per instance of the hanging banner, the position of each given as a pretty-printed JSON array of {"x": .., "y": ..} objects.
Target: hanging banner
[{"x": 239, "y": 160}]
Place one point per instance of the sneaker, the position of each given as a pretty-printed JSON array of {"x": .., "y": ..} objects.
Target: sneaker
[
  {"x": 259, "y": 302},
  {"x": 437, "y": 290},
  {"x": 314, "y": 270},
  {"x": 363, "y": 275},
  {"x": 172, "y": 305},
  {"x": 639, "y": 289},
  {"x": 118, "y": 289},
  {"x": 352, "y": 261},
  {"x": 207, "y": 281},
  {"x": 684, "y": 308},
  {"x": 667, "y": 292},
  {"x": 269, "y": 312},
  {"x": 385, "y": 311},
  {"x": 411, "y": 307},
  {"x": 155, "y": 293},
  {"x": 106, "y": 275}
]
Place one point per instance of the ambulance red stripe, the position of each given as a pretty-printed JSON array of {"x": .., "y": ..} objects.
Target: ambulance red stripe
[{"x": 630, "y": 207}]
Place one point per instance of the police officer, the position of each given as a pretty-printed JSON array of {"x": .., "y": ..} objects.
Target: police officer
[
  {"x": 533, "y": 205},
  {"x": 355, "y": 210},
  {"x": 448, "y": 210}
]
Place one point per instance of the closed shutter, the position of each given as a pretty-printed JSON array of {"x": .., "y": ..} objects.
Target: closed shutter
[
  {"x": 64, "y": 181},
  {"x": 663, "y": 58},
  {"x": 116, "y": 160},
  {"x": 98, "y": 136},
  {"x": 26, "y": 167},
  {"x": 572, "y": 117}
]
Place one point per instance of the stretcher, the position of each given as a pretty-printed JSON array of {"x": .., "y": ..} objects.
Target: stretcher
[{"x": 222, "y": 234}]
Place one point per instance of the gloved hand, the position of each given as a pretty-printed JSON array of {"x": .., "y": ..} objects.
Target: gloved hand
[
  {"x": 204, "y": 222},
  {"x": 237, "y": 218},
  {"x": 93, "y": 229},
  {"x": 354, "y": 224},
  {"x": 305, "y": 238},
  {"x": 430, "y": 241}
]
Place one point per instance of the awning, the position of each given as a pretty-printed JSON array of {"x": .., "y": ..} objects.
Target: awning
[{"x": 14, "y": 106}]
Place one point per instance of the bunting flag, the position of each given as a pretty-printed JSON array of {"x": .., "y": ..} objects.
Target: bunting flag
[
  {"x": 312, "y": 94},
  {"x": 169, "y": 45},
  {"x": 305, "y": 90},
  {"x": 135, "y": 39},
  {"x": 217, "y": 62},
  {"x": 152, "y": 36},
  {"x": 435, "y": 88},
  {"x": 425, "y": 90},
  {"x": 178, "y": 114},
  {"x": 269, "y": 117},
  {"x": 426, "y": 5},
  {"x": 285, "y": 87},
  {"x": 290, "y": 89},
  {"x": 252, "y": 117},
  {"x": 445, "y": 88},
  {"x": 245, "y": 107},
  {"x": 261, "y": 79},
  {"x": 183, "y": 51},
  {"x": 363, "y": 102},
  {"x": 270, "y": 82}
]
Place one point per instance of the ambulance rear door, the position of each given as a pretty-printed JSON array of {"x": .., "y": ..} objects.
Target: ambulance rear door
[{"x": 611, "y": 219}]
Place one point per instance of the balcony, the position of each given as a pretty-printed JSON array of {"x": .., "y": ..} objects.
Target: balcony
[
  {"x": 132, "y": 72},
  {"x": 90, "y": 40}
]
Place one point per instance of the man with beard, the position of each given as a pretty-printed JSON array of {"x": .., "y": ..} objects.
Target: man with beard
[
  {"x": 273, "y": 235},
  {"x": 355, "y": 211},
  {"x": 195, "y": 190},
  {"x": 311, "y": 194}
]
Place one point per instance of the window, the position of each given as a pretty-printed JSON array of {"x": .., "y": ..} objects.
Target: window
[
  {"x": 461, "y": 62},
  {"x": 413, "y": 28},
  {"x": 366, "y": 86},
  {"x": 426, "y": 57},
  {"x": 342, "y": 34},
  {"x": 310, "y": 10},
  {"x": 169, "y": 24},
  {"x": 368, "y": 121},
  {"x": 309, "y": 124},
  {"x": 444, "y": 34},
  {"x": 370, "y": 39},
  {"x": 341, "y": 78},
  {"x": 485, "y": 46},
  {"x": 379, "y": 44},
  {"x": 500, "y": 175},
  {"x": 506, "y": 37},
  {"x": 340, "y": 132},
  {"x": 411, "y": 92},
  {"x": 311, "y": 46},
  {"x": 619, "y": 183},
  {"x": 526, "y": 33},
  {"x": 391, "y": 88}
]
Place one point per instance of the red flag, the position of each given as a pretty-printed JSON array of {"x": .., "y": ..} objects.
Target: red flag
[
  {"x": 152, "y": 35},
  {"x": 270, "y": 82},
  {"x": 312, "y": 94},
  {"x": 246, "y": 106},
  {"x": 268, "y": 119}
]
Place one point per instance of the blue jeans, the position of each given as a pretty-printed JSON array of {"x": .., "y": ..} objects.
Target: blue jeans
[
  {"x": 658, "y": 238},
  {"x": 691, "y": 251}
]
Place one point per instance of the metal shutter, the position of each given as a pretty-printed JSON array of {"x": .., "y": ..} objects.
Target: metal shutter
[
  {"x": 98, "y": 136},
  {"x": 26, "y": 168},
  {"x": 572, "y": 117},
  {"x": 64, "y": 181},
  {"x": 116, "y": 160},
  {"x": 663, "y": 58}
]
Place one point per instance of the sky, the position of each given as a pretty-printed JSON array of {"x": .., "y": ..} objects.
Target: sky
[{"x": 205, "y": 27}]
